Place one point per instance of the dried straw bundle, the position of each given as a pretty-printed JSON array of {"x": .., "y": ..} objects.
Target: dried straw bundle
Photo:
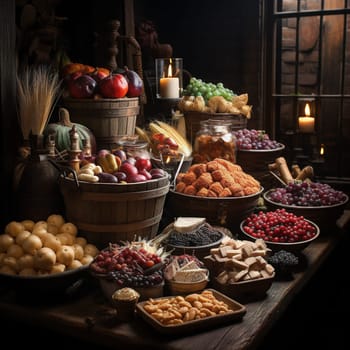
[{"x": 38, "y": 89}]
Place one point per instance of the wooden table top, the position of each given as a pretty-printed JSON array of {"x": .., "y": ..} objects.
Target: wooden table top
[{"x": 89, "y": 317}]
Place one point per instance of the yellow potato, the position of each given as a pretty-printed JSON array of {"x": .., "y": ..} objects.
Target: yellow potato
[
  {"x": 91, "y": 249},
  {"x": 11, "y": 262},
  {"x": 44, "y": 258},
  {"x": 56, "y": 220},
  {"x": 78, "y": 251},
  {"x": 15, "y": 250},
  {"x": 27, "y": 271},
  {"x": 81, "y": 241},
  {"x": 74, "y": 265},
  {"x": 58, "y": 268},
  {"x": 69, "y": 228},
  {"x": 14, "y": 228},
  {"x": 31, "y": 244},
  {"x": 26, "y": 261},
  {"x": 40, "y": 223},
  {"x": 6, "y": 241},
  {"x": 22, "y": 236},
  {"x": 40, "y": 231},
  {"x": 65, "y": 255},
  {"x": 86, "y": 259},
  {"x": 52, "y": 229},
  {"x": 7, "y": 270},
  {"x": 28, "y": 225},
  {"x": 52, "y": 242},
  {"x": 65, "y": 238}
]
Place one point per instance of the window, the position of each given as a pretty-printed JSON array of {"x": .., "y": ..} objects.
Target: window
[{"x": 310, "y": 64}]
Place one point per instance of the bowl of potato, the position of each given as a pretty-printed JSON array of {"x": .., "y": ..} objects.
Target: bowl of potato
[{"x": 43, "y": 257}]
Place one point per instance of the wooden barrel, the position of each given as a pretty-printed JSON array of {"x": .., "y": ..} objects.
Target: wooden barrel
[
  {"x": 108, "y": 119},
  {"x": 106, "y": 213}
]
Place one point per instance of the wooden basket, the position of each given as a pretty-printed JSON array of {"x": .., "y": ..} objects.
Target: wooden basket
[
  {"x": 183, "y": 288},
  {"x": 107, "y": 213},
  {"x": 193, "y": 119},
  {"x": 108, "y": 119}
]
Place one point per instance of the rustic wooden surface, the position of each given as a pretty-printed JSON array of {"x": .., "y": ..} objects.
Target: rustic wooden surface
[{"x": 89, "y": 318}]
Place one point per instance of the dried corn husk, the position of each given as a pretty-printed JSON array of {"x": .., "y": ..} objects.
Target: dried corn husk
[{"x": 38, "y": 89}]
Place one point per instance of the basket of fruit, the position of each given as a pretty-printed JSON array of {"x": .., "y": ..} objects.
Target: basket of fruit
[
  {"x": 315, "y": 201},
  {"x": 115, "y": 198},
  {"x": 202, "y": 101},
  {"x": 138, "y": 265},
  {"x": 107, "y": 103}
]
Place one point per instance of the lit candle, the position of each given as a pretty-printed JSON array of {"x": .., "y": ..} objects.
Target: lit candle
[
  {"x": 169, "y": 86},
  {"x": 307, "y": 123}
]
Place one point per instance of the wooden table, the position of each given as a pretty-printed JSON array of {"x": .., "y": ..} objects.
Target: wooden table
[{"x": 89, "y": 318}]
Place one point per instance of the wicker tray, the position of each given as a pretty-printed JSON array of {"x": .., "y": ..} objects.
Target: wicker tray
[{"x": 239, "y": 311}]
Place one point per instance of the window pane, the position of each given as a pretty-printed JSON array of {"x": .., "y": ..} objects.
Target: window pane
[
  {"x": 332, "y": 54},
  {"x": 334, "y": 4}
]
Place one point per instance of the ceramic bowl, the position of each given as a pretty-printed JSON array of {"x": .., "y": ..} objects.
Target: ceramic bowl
[{"x": 295, "y": 247}]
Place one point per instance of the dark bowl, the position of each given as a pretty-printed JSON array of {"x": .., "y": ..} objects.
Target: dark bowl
[
  {"x": 219, "y": 211},
  {"x": 324, "y": 216},
  {"x": 45, "y": 285},
  {"x": 199, "y": 251},
  {"x": 295, "y": 247}
]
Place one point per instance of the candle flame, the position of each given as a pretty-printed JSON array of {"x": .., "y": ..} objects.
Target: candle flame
[
  {"x": 170, "y": 71},
  {"x": 307, "y": 110},
  {"x": 322, "y": 150}
]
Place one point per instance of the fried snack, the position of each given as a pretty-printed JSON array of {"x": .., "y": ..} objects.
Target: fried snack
[
  {"x": 204, "y": 180},
  {"x": 221, "y": 179},
  {"x": 203, "y": 192},
  {"x": 180, "y": 186},
  {"x": 216, "y": 187},
  {"x": 190, "y": 189},
  {"x": 198, "y": 169},
  {"x": 189, "y": 178}
]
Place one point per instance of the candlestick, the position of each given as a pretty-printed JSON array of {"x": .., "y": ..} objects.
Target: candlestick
[{"x": 306, "y": 123}]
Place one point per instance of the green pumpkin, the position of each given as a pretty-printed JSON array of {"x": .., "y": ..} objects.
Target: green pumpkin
[{"x": 61, "y": 131}]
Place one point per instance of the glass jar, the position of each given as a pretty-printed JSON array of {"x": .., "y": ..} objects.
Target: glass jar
[
  {"x": 136, "y": 149},
  {"x": 215, "y": 139}
]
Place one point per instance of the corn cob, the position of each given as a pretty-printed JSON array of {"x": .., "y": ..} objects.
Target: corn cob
[{"x": 166, "y": 129}]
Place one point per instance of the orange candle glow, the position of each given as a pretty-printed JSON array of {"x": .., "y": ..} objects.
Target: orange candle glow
[{"x": 306, "y": 123}]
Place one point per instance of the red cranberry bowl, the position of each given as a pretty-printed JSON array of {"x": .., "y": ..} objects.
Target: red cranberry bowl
[{"x": 280, "y": 229}]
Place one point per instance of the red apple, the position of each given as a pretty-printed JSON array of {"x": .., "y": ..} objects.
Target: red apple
[
  {"x": 128, "y": 169},
  {"x": 113, "y": 86},
  {"x": 157, "y": 173},
  {"x": 135, "y": 83},
  {"x": 82, "y": 86},
  {"x": 146, "y": 173},
  {"x": 143, "y": 163},
  {"x": 136, "y": 178}
]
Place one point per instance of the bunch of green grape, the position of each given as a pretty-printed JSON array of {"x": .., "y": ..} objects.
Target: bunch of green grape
[{"x": 198, "y": 87}]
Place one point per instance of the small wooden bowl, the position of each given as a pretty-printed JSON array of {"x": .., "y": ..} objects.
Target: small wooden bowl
[{"x": 181, "y": 288}]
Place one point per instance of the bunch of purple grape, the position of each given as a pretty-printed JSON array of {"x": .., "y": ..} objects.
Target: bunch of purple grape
[
  {"x": 307, "y": 194},
  {"x": 251, "y": 139}
]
